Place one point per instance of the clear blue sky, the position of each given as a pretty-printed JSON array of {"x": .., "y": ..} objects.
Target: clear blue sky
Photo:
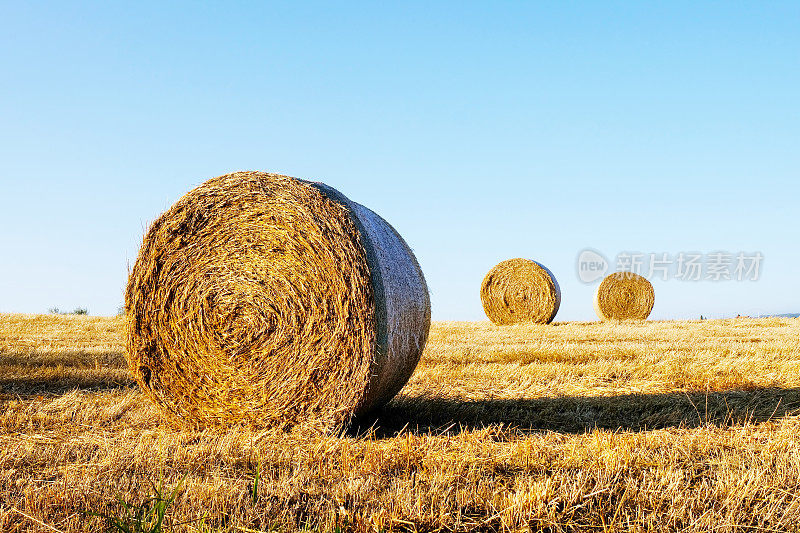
[{"x": 481, "y": 131}]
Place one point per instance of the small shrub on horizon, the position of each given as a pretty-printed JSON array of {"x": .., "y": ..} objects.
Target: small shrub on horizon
[{"x": 81, "y": 311}]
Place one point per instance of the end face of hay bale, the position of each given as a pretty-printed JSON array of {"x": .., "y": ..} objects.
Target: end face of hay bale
[
  {"x": 520, "y": 290},
  {"x": 261, "y": 299},
  {"x": 403, "y": 308},
  {"x": 624, "y": 296}
]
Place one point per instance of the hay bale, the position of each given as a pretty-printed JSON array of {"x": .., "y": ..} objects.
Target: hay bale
[
  {"x": 520, "y": 290},
  {"x": 624, "y": 296},
  {"x": 271, "y": 301}
]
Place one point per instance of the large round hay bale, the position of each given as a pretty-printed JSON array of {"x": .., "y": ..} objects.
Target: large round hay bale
[
  {"x": 520, "y": 290},
  {"x": 271, "y": 301},
  {"x": 624, "y": 296}
]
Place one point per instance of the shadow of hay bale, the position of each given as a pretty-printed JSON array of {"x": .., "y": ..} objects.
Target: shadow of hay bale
[
  {"x": 579, "y": 414},
  {"x": 27, "y": 373}
]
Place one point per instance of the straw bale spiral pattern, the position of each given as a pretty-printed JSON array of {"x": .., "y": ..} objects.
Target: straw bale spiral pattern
[
  {"x": 624, "y": 296},
  {"x": 520, "y": 290},
  {"x": 271, "y": 301}
]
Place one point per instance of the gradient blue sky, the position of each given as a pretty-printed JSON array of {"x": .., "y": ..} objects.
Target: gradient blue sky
[{"x": 481, "y": 131}]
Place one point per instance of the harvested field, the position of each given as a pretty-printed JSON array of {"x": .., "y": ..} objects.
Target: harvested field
[{"x": 573, "y": 426}]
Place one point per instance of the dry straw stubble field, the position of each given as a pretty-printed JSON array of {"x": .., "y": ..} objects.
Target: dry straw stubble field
[{"x": 573, "y": 426}]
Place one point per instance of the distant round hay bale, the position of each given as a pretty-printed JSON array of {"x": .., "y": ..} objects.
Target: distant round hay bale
[
  {"x": 624, "y": 296},
  {"x": 520, "y": 290},
  {"x": 265, "y": 300}
]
